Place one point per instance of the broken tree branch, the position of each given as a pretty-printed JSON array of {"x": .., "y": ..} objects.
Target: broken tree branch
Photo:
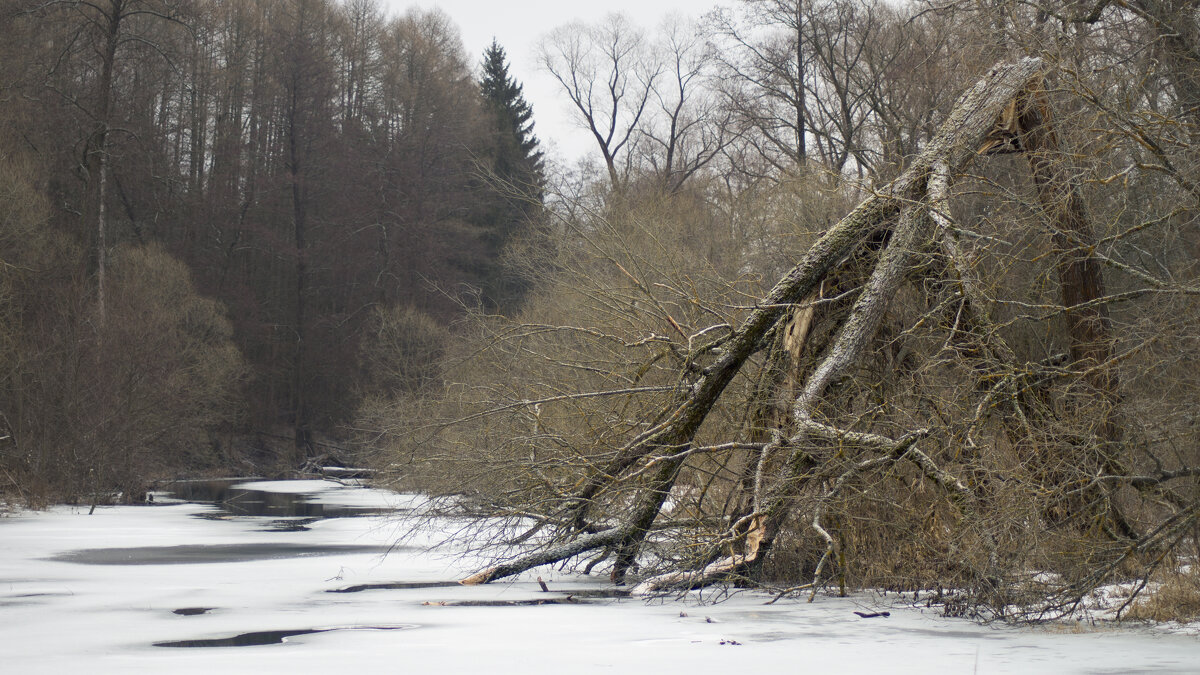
[{"x": 669, "y": 440}]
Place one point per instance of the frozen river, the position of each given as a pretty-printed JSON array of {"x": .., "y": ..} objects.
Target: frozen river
[{"x": 272, "y": 583}]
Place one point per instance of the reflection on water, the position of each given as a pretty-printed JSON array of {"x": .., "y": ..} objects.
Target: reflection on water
[
  {"x": 209, "y": 553},
  {"x": 283, "y": 512},
  {"x": 291, "y": 524},
  {"x": 403, "y": 585},
  {"x": 231, "y": 499},
  {"x": 264, "y": 637}
]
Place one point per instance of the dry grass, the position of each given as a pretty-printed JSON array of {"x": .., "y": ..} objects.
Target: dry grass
[{"x": 1177, "y": 598}]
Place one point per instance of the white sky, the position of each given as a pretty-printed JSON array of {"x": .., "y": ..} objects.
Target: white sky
[{"x": 518, "y": 26}]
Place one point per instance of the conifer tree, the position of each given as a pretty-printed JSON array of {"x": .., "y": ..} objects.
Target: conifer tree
[
  {"x": 516, "y": 171},
  {"x": 518, "y": 157}
]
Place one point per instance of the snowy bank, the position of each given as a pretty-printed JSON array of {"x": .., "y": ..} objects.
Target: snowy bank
[{"x": 67, "y": 610}]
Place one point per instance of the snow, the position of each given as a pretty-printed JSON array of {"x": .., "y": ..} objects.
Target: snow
[{"x": 61, "y": 616}]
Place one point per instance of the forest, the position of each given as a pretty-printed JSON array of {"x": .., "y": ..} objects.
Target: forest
[
  {"x": 226, "y": 224},
  {"x": 849, "y": 293}
]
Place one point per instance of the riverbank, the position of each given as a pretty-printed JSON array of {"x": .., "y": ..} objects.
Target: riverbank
[{"x": 96, "y": 593}]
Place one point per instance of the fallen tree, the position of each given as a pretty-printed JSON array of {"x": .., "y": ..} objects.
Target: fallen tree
[
  {"x": 668, "y": 443},
  {"x": 1016, "y": 467}
]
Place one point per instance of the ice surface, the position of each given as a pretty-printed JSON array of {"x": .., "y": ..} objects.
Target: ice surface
[{"x": 58, "y": 616}]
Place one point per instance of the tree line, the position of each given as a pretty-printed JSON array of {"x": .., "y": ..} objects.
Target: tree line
[{"x": 229, "y": 222}]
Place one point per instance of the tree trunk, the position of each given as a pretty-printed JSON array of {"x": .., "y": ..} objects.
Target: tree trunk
[
  {"x": 955, "y": 143},
  {"x": 96, "y": 160},
  {"x": 302, "y": 425}
]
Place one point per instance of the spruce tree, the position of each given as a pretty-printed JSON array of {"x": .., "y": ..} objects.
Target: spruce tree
[
  {"x": 516, "y": 175},
  {"x": 518, "y": 159}
]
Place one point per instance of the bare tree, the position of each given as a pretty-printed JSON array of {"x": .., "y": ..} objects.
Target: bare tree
[
  {"x": 359, "y": 62},
  {"x": 608, "y": 73},
  {"x": 106, "y": 29},
  {"x": 306, "y": 81},
  {"x": 688, "y": 128},
  {"x": 766, "y": 75}
]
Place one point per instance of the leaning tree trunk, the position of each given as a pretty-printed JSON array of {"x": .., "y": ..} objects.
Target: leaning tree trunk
[
  {"x": 1082, "y": 294},
  {"x": 667, "y": 443},
  {"x": 1080, "y": 279}
]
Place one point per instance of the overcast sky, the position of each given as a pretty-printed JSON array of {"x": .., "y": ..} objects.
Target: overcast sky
[{"x": 518, "y": 26}]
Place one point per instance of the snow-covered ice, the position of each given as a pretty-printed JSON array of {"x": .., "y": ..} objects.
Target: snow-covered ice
[{"x": 60, "y": 615}]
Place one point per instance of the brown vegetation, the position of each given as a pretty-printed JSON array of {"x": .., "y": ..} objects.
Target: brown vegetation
[{"x": 972, "y": 380}]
